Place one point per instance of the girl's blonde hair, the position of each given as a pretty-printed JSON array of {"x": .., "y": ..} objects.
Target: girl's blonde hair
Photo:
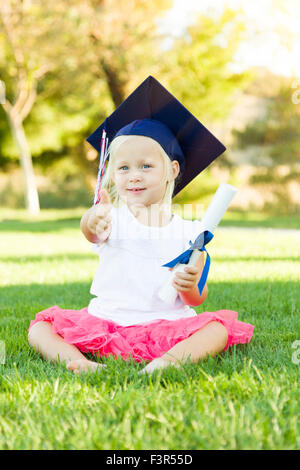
[{"x": 108, "y": 181}]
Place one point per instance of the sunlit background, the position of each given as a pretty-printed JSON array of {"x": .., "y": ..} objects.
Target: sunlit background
[
  {"x": 272, "y": 38},
  {"x": 232, "y": 63}
]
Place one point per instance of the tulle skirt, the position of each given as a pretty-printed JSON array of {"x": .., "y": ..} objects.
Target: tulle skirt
[{"x": 140, "y": 342}]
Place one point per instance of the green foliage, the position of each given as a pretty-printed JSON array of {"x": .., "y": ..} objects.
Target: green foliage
[
  {"x": 277, "y": 131},
  {"x": 61, "y": 185},
  {"x": 197, "y": 66},
  {"x": 78, "y": 91},
  {"x": 201, "y": 188}
]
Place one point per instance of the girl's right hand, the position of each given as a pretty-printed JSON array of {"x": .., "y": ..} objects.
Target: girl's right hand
[{"x": 99, "y": 221}]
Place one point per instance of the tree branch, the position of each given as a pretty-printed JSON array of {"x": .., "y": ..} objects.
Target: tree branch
[
  {"x": 7, "y": 106},
  {"x": 8, "y": 27},
  {"x": 45, "y": 68},
  {"x": 28, "y": 104}
]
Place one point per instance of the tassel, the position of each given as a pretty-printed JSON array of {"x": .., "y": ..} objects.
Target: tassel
[{"x": 102, "y": 161}]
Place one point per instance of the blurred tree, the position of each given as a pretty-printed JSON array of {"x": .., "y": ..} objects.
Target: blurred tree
[
  {"x": 272, "y": 143},
  {"x": 197, "y": 70},
  {"x": 11, "y": 13},
  {"x": 198, "y": 65},
  {"x": 277, "y": 133},
  {"x": 124, "y": 40},
  {"x": 73, "y": 43},
  {"x": 78, "y": 60},
  {"x": 124, "y": 48},
  {"x": 33, "y": 45}
]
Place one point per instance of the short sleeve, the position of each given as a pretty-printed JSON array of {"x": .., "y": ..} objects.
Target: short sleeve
[{"x": 96, "y": 248}]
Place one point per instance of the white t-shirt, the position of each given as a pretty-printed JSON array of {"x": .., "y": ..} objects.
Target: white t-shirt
[{"x": 130, "y": 271}]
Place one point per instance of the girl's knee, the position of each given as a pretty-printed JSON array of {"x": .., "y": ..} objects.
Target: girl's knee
[
  {"x": 36, "y": 331},
  {"x": 221, "y": 331}
]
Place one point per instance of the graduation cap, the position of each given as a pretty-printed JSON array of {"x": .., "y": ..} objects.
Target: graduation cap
[{"x": 153, "y": 112}]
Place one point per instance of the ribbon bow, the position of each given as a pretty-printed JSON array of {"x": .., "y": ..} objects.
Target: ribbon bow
[{"x": 199, "y": 244}]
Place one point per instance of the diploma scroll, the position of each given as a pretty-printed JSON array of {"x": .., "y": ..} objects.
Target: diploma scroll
[{"x": 211, "y": 219}]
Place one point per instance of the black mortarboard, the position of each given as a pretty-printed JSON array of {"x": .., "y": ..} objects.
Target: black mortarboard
[{"x": 153, "y": 112}]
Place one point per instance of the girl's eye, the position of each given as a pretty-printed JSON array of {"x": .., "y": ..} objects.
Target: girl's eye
[{"x": 125, "y": 167}]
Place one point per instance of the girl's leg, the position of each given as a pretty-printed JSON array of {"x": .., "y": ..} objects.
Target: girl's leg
[
  {"x": 52, "y": 347},
  {"x": 211, "y": 339}
]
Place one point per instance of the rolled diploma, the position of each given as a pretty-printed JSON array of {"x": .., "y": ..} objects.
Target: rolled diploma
[{"x": 211, "y": 219}]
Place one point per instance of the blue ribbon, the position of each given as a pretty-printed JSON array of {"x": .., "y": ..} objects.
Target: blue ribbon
[{"x": 199, "y": 244}]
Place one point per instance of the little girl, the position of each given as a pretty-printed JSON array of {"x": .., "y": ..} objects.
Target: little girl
[{"x": 135, "y": 234}]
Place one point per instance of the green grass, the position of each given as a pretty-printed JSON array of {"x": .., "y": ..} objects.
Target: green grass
[{"x": 246, "y": 398}]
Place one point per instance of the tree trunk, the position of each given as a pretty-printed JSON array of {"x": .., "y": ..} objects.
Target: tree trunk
[
  {"x": 30, "y": 189},
  {"x": 115, "y": 84}
]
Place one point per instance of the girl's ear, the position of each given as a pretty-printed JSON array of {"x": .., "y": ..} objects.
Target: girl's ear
[{"x": 175, "y": 169}]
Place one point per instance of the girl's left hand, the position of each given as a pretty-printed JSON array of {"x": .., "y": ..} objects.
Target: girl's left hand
[{"x": 187, "y": 280}]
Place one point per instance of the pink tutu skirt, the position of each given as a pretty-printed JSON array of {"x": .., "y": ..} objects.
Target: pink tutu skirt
[{"x": 140, "y": 342}]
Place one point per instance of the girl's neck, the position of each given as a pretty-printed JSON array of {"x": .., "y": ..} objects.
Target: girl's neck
[{"x": 155, "y": 215}]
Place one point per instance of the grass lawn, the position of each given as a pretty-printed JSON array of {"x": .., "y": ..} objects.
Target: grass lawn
[{"x": 246, "y": 398}]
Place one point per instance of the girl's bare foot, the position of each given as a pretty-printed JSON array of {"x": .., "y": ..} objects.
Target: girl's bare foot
[
  {"x": 157, "y": 363},
  {"x": 83, "y": 365}
]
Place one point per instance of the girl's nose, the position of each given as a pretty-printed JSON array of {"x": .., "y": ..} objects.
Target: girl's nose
[{"x": 135, "y": 176}]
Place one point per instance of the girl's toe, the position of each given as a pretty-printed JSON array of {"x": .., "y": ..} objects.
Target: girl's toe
[{"x": 72, "y": 366}]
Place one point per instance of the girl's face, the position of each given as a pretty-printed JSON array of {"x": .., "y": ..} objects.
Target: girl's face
[{"x": 139, "y": 173}]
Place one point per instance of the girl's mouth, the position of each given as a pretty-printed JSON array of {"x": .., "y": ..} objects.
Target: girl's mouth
[{"x": 136, "y": 190}]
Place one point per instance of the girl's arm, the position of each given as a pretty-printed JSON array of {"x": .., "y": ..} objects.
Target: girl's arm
[{"x": 186, "y": 284}]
